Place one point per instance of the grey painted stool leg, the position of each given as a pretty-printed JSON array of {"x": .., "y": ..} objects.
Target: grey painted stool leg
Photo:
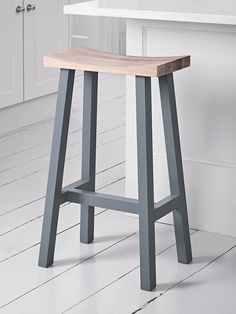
[
  {"x": 145, "y": 183},
  {"x": 56, "y": 169},
  {"x": 175, "y": 167},
  {"x": 89, "y": 152}
]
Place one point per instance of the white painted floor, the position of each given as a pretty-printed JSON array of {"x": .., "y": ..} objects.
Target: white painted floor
[{"x": 102, "y": 277}]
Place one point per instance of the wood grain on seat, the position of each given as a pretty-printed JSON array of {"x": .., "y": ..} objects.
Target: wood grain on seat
[{"x": 97, "y": 61}]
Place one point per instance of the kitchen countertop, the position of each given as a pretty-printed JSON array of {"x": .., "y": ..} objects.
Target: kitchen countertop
[{"x": 201, "y": 11}]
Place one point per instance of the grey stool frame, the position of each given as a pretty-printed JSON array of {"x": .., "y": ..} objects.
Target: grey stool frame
[{"x": 83, "y": 191}]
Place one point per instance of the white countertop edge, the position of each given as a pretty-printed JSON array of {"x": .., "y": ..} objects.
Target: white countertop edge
[{"x": 75, "y": 9}]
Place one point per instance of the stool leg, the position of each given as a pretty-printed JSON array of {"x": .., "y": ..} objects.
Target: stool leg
[
  {"x": 89, "y": 152},
  {"x": 56, "y": 169},
  {"x": 145, "y": 183},
  {"x": 175, "y": 167}
]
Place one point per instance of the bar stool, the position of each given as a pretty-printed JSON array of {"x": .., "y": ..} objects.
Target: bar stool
[{"x": 83, "y": 191}]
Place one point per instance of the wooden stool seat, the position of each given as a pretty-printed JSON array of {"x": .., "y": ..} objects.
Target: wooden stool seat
[{"x": 97, "y": 61}]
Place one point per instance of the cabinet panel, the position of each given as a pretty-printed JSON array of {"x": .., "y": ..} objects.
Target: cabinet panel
[
  {"x": 45, "y": 31},
  {"x": 11, "y": 61}
]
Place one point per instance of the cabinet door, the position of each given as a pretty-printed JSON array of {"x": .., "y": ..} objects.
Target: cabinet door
[
  {"x": 45, "y": 31},
  {"x": 11, "y": 53}
]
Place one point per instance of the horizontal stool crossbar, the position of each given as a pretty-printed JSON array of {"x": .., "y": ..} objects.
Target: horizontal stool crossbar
[
  {"x": 102, "y": 200},
  {"x": 124, "y": 204}
]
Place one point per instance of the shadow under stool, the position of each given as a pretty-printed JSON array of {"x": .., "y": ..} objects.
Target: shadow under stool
[{"x": 83, "y": 191}]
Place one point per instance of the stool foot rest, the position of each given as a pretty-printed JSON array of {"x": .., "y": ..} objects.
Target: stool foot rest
[
  {"x": 124, "y": 204},
  {"x": 102, "y": 200}
]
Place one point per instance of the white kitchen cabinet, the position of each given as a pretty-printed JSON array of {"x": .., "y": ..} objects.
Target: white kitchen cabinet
[
  {"x": 11, "y": 53},
  {"x": 25, "y": 37},
  {"x": 45, "y": 31}
]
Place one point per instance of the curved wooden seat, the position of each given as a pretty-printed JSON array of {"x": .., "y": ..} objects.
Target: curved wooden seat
[{"x": 97, "y": 61}]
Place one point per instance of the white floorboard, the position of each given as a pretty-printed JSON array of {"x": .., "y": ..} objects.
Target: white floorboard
[
  {"x": 125, "y": 296},
  {"x": 37, "y": 158},
  {"x": 18, "y": 240},
  {"x": 69, "y": 253},
  {"x": 33, "y": 210},
  {"x": 33, "y": 186},
  {"x": 85, "y": 279},
  {"x": 212, "y": 290}
]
